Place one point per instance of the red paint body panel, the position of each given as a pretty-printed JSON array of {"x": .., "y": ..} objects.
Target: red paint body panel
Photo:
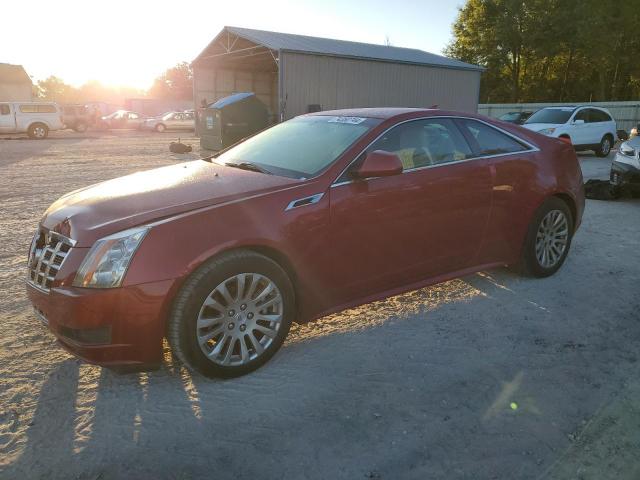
[{"x": 362, "y": 241}]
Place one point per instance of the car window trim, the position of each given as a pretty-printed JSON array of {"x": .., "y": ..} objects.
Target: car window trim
[{"x": 531, "y": 147}]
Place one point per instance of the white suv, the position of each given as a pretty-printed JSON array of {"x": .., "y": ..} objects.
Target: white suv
[{"x": 588, "y": 128}]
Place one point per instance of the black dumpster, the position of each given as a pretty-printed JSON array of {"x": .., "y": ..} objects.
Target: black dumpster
[{"x": 230, "y": 119}]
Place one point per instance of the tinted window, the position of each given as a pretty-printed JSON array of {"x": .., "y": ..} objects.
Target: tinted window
[
  {"x": 422, "y": 143},
  {"x": 551, "y": 115},
  {"x": 4, "y": 110},
  {"x": 598, "y": 116},
  {"x": 28, "y": 108},
  {"x": 489, "y": 140},
  {"x": 582, "y": 115}
]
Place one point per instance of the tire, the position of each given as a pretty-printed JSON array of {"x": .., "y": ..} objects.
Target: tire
[
  {"x": 81, "y": 127},
  {"x": 533, "y": 258},
  {"x": 221, "y": 338},
  {"x": 38, "y": 131},
  {"x": 605, "y": 146},
  {"x": 160, "y": 128}
]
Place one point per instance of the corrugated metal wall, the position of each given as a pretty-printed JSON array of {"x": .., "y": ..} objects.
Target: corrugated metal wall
[
  {"x": 212, "y": 84},
  {"x": 335, "y": 82},
  {"x": 626, "y": 114}
]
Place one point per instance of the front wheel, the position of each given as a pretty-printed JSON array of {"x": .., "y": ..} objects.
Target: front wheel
[
  {"x": 548, "y": 239},
  {"x": 232, "y": 315},
  {"x": 605, "y": 146},
  {"x": 160, "y": 128},
  {"x": 81, "y": 127}
]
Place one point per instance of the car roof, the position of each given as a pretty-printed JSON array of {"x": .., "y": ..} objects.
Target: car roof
[{"x": 384, "y": 113}]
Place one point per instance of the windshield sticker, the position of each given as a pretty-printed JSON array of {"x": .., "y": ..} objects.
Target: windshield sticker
[{"x": 350, "y": 120}]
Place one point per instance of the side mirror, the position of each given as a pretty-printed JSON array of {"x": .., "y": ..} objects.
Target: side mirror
[
  {"x": 578, "y": 122},
  {"x": 379, "y": 164}
]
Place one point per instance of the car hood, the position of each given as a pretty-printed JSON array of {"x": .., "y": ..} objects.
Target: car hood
[
  {"x": 115, "y": 205},
  {"x": 536, "y": 127}
]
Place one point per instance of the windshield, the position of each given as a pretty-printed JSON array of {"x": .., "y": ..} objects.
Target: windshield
[
  {"x": 551, "y": 115},
  {"x": 301, "y": 147},
  {"x": 510, "y": 116}
]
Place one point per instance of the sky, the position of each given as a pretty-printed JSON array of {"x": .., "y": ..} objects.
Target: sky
[{"x": 130, "y": 43}]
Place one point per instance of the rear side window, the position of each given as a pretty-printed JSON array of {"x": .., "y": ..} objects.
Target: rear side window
[
  {"x": 38, "y": 108},
  {"x": 596, "y": 116},
  {"x": 5, "y": 110},
  {"x": 488, "y": 140}
]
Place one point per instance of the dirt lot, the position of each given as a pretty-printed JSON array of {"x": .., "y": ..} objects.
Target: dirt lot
[{"x": 491, "y": 376}]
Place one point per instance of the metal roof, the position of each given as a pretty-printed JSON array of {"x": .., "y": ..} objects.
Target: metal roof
[
  {"x": 342, "y": 48},
  {"x": 13, "y": 74}
]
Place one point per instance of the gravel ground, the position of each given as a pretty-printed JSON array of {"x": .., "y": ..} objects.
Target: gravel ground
[{"x": 491, "y": 376}]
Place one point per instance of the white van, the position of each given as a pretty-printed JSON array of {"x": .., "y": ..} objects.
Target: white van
[{"x": 34, "y": 118}]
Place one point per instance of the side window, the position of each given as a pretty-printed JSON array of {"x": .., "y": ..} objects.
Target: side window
[
  {"x": 46, "y": 109},
  {"x": 133, "y": 116},
  {"x": 4, "y": 109},
  {"x": 188, "y": 116},
  {"x": 490, "y": 141},
  {"x": 582, "y": 115},
  {"x": 596, "y": 116},
  {"x": 177, "y": 116},
  {"x": 423, "y": 143},
  {"x": 28, "y": 108}
]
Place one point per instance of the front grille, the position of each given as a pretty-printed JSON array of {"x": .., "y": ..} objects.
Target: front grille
[{"x": 46, "y": 256}]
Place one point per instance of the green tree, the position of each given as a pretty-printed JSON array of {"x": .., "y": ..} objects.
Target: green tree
[
  {"x": 55, "y": 90},
  {"x": 175, "y": 83},
  {"x": 551, "y": 50}
]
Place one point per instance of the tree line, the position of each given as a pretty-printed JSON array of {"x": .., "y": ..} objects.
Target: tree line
[
  {"x": 551, "y": 50},
  {"x": 176, "y": 83}
]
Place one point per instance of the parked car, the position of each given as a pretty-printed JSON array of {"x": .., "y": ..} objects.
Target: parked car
[
  {"x": 587, "y": 128},
  {"x": 625, "y": 168},
  {"x": 320, "y": 213},
  {"x": 34, "y": 119},
  {"x": 122, "y": 119},
  {"x": 515, "y": 117},
  {"x": 75, "y": 117},
  {"x": 171, "y": 121}
]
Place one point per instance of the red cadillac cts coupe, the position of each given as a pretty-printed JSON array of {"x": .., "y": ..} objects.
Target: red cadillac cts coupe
[{"x": 311, "y": 216}]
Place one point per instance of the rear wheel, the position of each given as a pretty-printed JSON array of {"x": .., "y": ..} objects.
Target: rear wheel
[
  {"x": 548, "y": 239},
  {"x": 38, "y": 131},
  {"x": 232, "y": 315},
  {"x": 605, "y": 146}
]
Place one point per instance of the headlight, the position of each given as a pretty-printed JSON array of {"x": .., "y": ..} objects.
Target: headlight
[
  {"x": 628, "y": 150},
  {"x": 106, "y": 263},
  {"x": 547, "y": 131}
]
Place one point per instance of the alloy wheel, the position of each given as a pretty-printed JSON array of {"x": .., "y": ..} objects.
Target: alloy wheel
[
  {"x": 239, "y": 319},
  {"x": 552, "y": 238},
  {"x": 39, "y": 132},
  {"x": 606, "y": 147}
]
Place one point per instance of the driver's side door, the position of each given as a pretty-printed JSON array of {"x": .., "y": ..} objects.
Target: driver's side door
[{"x": 392, "y": 231}]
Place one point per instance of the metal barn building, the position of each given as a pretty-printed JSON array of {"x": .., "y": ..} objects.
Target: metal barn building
[
  {"x": 15, "y": 84},
  {"x": 295, "y": 74}
]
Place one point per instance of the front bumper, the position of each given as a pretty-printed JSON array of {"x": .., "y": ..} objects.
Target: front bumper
[
  {"x": 109, "y": 327},
  {"x": 624, "y": 174}
]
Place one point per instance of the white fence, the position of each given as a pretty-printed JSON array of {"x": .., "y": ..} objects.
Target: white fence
[{"x": 626, "y": 114}]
